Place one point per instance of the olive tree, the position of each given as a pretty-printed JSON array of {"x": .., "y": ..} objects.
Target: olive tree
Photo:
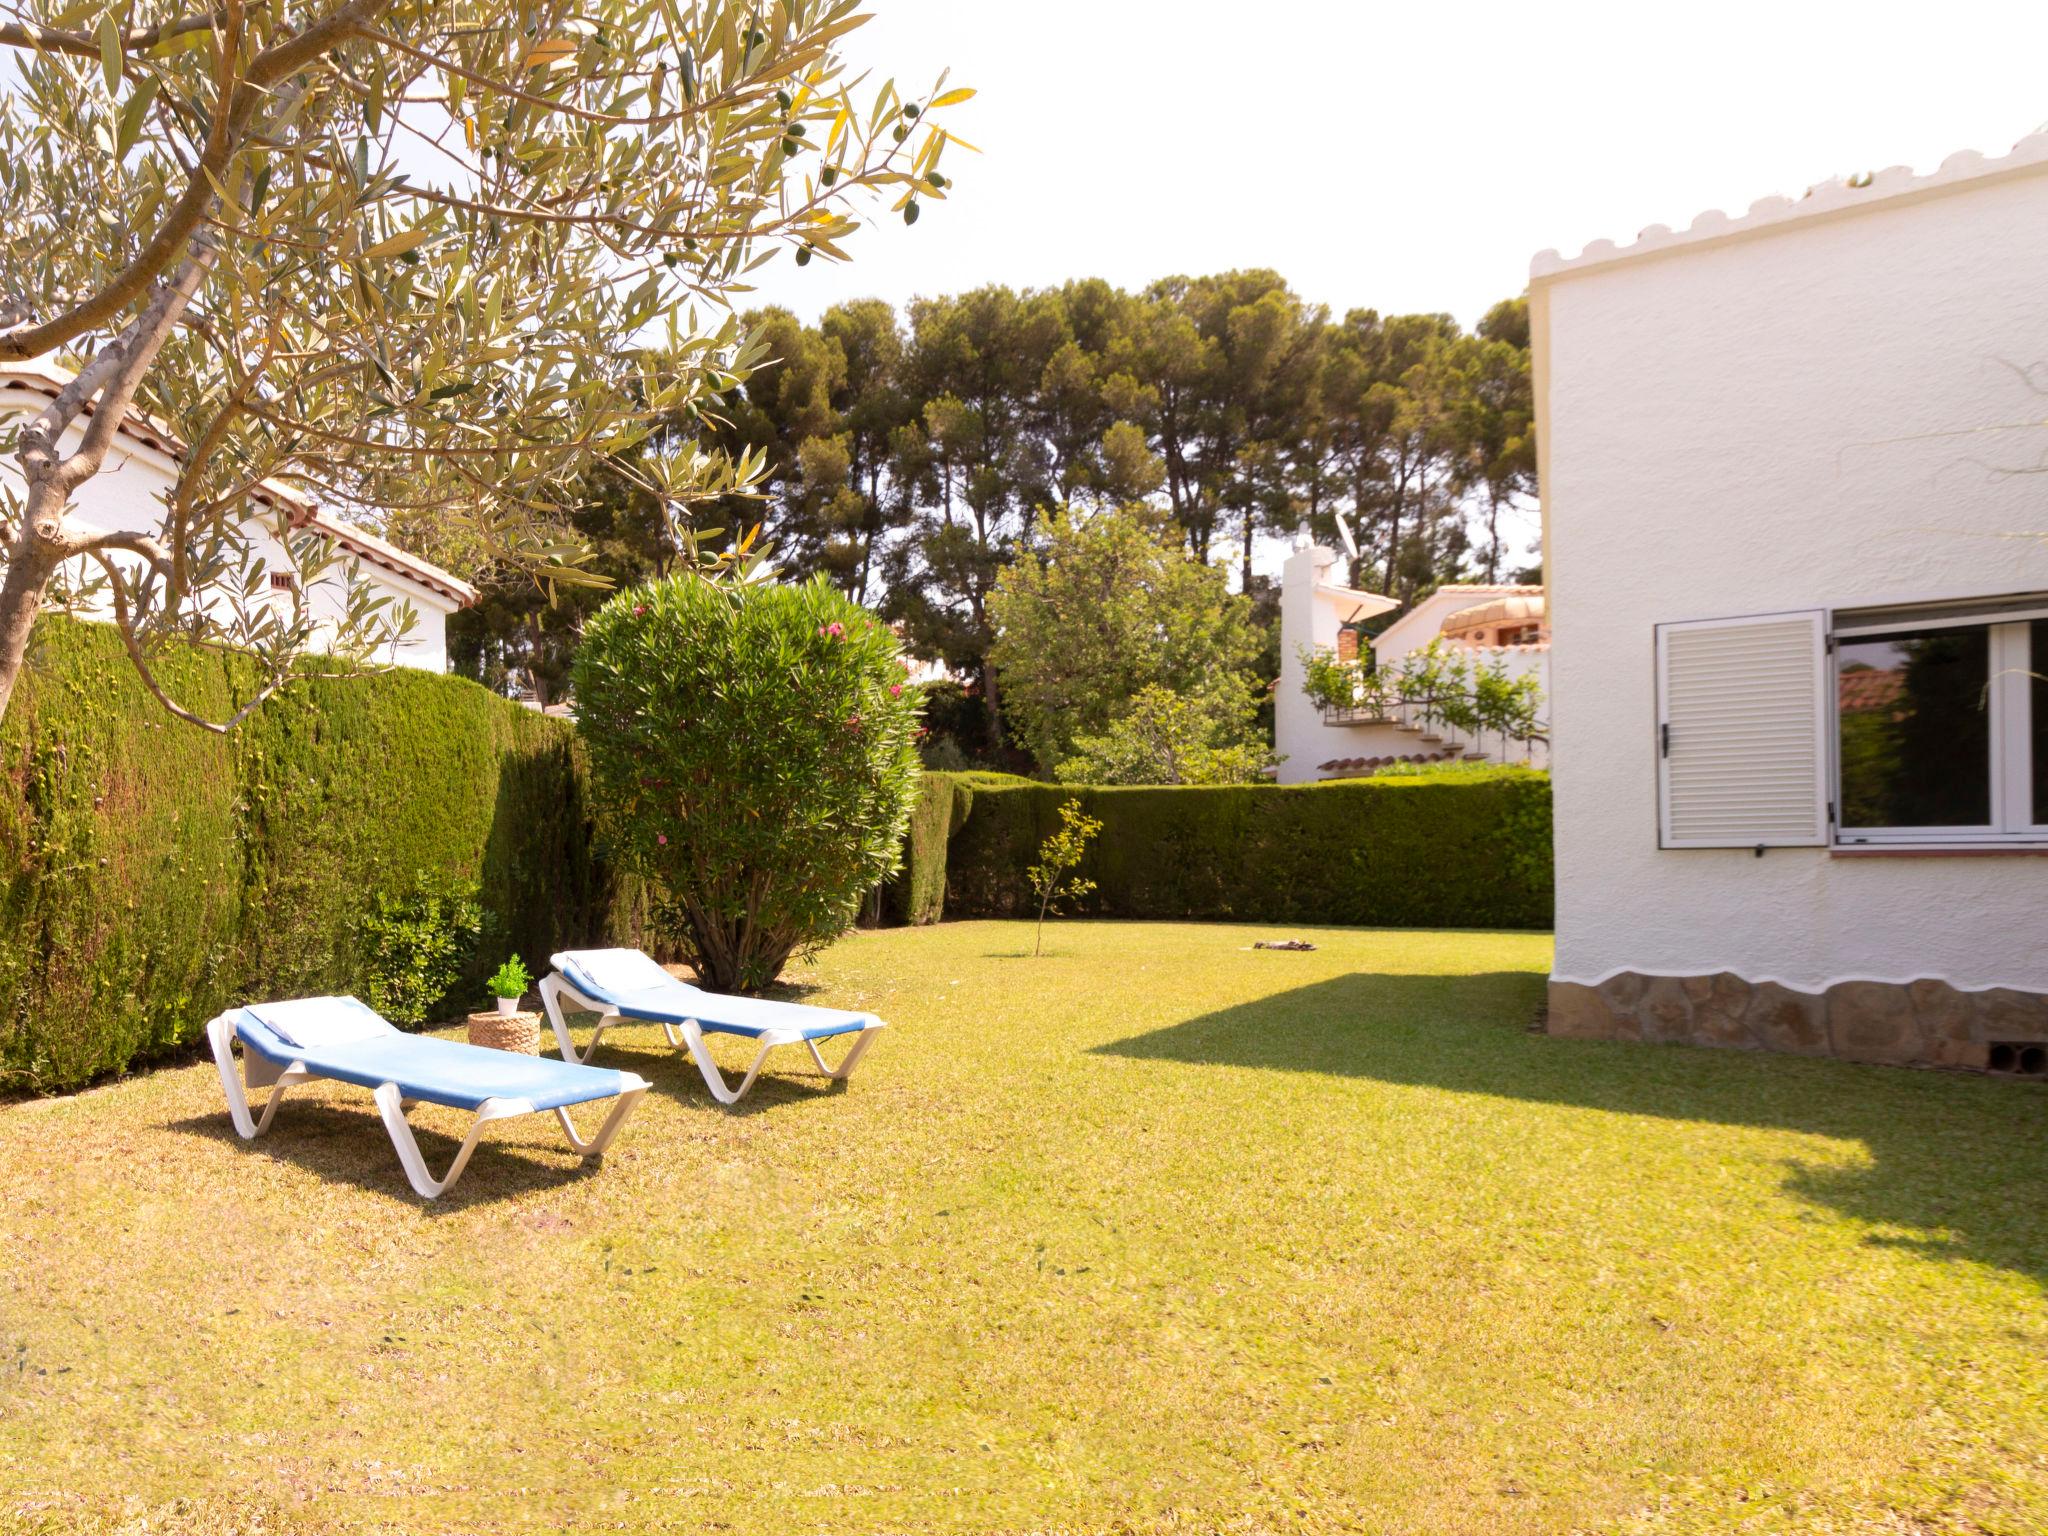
[{"x": 418, "y": 259}]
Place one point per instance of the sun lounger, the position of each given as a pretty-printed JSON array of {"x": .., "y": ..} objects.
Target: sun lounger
[
  {"x": 626, "y": 984},
  {"x": 344, "y": 1039}
]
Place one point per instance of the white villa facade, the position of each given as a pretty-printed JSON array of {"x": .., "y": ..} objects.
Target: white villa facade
[
  {"x": 1798, "y": 580},
  {"x": 128, "y": 495},
  {"x": 1502, "y": 625}
]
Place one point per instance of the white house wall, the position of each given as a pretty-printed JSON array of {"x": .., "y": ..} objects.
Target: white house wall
[
  {"x": 1309, "y": 618},
  {"x": 1832, "y": 413},
  {"x": 127, "y": 495}
]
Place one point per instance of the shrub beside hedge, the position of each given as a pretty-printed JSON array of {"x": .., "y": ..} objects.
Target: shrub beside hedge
[
  {"x": 1473, "y": 851},
  {"x": 152, "y": 874},
  {"x": 753, "y": 758}
]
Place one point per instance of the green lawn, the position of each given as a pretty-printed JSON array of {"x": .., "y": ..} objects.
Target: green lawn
[{"x": 1155, "y": 1234}]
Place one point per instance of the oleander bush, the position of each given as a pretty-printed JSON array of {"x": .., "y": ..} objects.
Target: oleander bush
[
  {"x": 152, "y": 874},
  {"x": 1469, "y": 850},
  {"x": 753, "y": 756}
]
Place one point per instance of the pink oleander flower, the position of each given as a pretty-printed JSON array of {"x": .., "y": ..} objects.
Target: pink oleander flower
[
  {"x": 661, "y": 838},
  {"x": 895, "y": 690},
  {"x": 853, "y": 722},
  {"x": 638, "y": 609}
]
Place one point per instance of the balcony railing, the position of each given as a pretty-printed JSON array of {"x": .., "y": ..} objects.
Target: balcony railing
[{"x": 1355, "y": 714}]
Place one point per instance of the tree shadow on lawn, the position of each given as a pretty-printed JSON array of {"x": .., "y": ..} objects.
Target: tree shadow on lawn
[{"x": 1959, "y": 1160}]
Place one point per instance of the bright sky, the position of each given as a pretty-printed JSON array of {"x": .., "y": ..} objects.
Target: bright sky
[{"x": 1406, "y": 156}]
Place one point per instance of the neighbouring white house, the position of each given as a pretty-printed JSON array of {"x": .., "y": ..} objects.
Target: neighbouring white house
[
  {"x": 1796, "y": 541},
  {"x": 128, "y": 495},
  {"x": 1499, "y": 625}
]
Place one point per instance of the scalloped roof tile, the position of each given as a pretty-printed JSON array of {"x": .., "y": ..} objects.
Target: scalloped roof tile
[{"x": 1843, "y": 194}]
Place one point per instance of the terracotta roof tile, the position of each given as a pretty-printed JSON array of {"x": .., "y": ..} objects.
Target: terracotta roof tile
[{"x": 1344, "y": 766}]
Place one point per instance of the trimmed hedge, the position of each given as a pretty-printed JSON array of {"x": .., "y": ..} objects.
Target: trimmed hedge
[
  {"x": 916, "y": 894},
  {"x": 152, "y": 874},
  {"x": 1468, "y": 852}
]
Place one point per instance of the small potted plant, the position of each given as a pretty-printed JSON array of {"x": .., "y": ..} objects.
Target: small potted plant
[{"x": 508, "y": 985}]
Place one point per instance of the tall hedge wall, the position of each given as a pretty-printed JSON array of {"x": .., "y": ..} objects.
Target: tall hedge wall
[
  {"x": 1471, "y": 852},
  {"x": 916, "y": 894},
  {"x": 152, "y": 874}
]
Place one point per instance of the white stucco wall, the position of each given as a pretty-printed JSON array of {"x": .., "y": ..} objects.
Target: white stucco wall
[
  {"x": 128, "y": 493},
  {"x": 1311, "y": 614},
  {"x": 1826, "y": 413}
]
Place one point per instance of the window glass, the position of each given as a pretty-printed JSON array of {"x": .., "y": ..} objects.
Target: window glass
[
  {"x": 1916, "y": 728},
  {"x": 2039, "y": 664}
]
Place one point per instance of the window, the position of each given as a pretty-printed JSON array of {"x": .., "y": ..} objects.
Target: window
[
  {"x": 1918, "y": 725},
  {"x": 283, "y": 581},
  {"x": 1941, "y": 731},
  {"x": 1914, "y": 729},
  {"x": 2037, "y": 746}
]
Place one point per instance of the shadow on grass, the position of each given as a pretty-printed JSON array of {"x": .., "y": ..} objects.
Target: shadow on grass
[
  {"x": 345, "y": 1145},
  {"x": 673, "y": 1073},
  {"x": 1960, "y": 1162}
]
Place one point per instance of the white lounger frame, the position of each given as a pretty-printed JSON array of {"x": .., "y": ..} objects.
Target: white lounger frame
[
  {"x": 391, "y": 1105},
  {"x": 687, "y": 1035}
]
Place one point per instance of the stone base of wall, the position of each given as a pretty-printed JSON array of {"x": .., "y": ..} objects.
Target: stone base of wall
[{"x": 1920, "y": 1023}]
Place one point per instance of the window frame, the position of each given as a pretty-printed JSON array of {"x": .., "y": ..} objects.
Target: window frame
[{"x": 2009, "y": 626}]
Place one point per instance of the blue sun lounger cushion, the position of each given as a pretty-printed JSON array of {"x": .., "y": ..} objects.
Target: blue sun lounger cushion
[
  {"x": 345, "y": 1040},
  {"x": 628, "y": 984},
  {"x": 640, "y": 989}
]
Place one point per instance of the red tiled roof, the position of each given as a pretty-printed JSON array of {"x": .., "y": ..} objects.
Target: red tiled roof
[
  {"x": 1348, "y": 765},
  {"x": 1870, "y": 689}
]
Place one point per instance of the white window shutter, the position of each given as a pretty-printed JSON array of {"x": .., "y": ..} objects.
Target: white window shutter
[{"x": 1742, "y": 758}]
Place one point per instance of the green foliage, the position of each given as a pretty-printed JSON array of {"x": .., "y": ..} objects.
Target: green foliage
[
  {"x": 510, "y": 979},
  {"x": 464, "y": 357},
  {"x": 1328, "y": 682},
  {"x": 1105, "y": 606},
  {"x": 1052, "y": 877},
  {"x": 1469, "y": 691},
  {"x": 152, "y": 875},
  {"x": 1165, "y": 738},
  {"x": 414, "y": 947},
  {"x": 1470, "y": 850},
  {"x": 753, "y": 755},
  {"x": 907, "y": 457},
  {"x": 1453, "y": 770},
  {"x": 916, "y": 893}
]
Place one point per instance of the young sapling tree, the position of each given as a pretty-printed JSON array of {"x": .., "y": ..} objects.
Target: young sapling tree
[{"x": 1052, "y": 878}]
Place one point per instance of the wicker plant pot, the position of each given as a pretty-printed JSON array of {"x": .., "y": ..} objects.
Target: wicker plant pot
[{"x": 506, "y": 1031}]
